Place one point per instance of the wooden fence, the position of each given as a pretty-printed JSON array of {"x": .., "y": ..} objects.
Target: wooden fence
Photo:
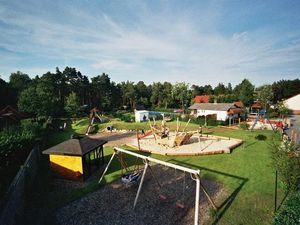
[{"x": 13, "y": 203}]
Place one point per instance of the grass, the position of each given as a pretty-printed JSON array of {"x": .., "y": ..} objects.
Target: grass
[{"x": 247, "y": 173}]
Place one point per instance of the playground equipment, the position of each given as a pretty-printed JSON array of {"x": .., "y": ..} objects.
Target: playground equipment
[
  {"x": 162, "y": 134},
  {"x": 93, "y": 115},
  {"x": 195, "y": 175},
  {"x": 262, "y": 116}
]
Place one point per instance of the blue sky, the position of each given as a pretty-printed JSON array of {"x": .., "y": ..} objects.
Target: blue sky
[{"x": 199, "y": 42}]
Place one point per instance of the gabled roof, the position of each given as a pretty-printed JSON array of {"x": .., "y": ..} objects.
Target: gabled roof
[
  {"x": 213, "y": 106},
  {"x": 295, "y": 96},
  {"x": 239, "y": 104},
  {"x": 12, "y": 113},
  {"x": 201, "y": 99},
  {"x": 75, "y": 146}
]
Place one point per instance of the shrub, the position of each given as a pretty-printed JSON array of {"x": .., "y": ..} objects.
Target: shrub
[
  {"x": 261, "y": 137},
  {"x": 244, "y": 126},
  {"x": 273, "y": 114},
  {"x": 289, "y": 212},
  {"x": 17, "y": 140},
  {"x": 286, "y": 160},
  {"x": 126, "y": 117}
]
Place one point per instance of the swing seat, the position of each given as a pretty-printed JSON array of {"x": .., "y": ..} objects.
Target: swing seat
[
  {"x": 180, "y": 205},
  {"x": 131, "y": 178}
]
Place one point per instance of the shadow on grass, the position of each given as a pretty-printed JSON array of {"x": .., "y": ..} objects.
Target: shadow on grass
[{"x": 224, "y": 206}]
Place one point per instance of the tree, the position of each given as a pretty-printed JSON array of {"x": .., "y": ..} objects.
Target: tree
[
  {"x": 7, "y": 96},
  {"x": 208, "y": 90},
  {"x": 167, "y": 93},
  {"x": 128, "y": 94},
  {"x": 229, "y": 88},
  {"x": 182, "y": 94},
  {"x": 264, "y": 94},
  {"x": 157, "y": 97},
  {"x": 245, "y": 92},
  {"x": 284, "y": 89},
  {"x": 143, "y": 93},
  {"x": 220, "y": 89},
  {"x": 18, "y": 82},
  {"x": 282, "y": 108},
  {"x": 29, "y": 101},
  {"x": 72, "y": 106},
  {"x": 101, "y": 94}
]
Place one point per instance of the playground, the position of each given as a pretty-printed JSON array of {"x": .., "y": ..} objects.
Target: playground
[
  {"x": 197, "y": 145},
  {"x": 113, "y": 203}
]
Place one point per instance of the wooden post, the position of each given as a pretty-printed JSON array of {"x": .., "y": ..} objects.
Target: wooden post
[
  {"x": 138, "y": 140},
  {"x": 275, "y": 198}
]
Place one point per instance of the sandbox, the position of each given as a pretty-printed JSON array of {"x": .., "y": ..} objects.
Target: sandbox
[{"x": 197, "y": 145}]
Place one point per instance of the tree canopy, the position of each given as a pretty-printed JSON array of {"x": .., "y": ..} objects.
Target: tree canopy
[{"x": 59, "y": 93}]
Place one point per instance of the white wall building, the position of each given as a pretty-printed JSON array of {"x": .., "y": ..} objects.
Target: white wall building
[
  {"x": 141, "y": 115},
  {"x": 219, "y": 111},
  {"x": 293, "y": 104}
]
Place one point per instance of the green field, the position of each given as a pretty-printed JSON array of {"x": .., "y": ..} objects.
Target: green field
[{"x": 247, "y": 174}]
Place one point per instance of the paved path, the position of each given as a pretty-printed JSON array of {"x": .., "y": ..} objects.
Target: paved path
[{"x": 296, "y": 126}]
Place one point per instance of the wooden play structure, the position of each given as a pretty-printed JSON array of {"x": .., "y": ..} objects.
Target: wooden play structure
[
  {"x": 93, "y": 116},
  {"x": 76, "y": 158},
  {"x": 163, "y": 137},
  {"x": 194, "y": 174}
]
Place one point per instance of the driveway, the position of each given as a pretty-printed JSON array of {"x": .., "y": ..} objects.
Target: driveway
[{"x": 296, "y": 126}]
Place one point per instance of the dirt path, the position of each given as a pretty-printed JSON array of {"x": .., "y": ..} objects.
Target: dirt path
[{"x": 116, "y": 138}]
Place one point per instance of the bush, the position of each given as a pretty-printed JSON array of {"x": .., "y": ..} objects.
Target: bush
[
  {"x": 17, "y": 140},
  {"x": 289, "y": 212},
  {"x": 244, "y": 126},
  {"x": 286, "y": 159},
  {"x": 273, "y": 114},
  {"x": 126, "y": 117},
  {"x": 209, "y": 122}
]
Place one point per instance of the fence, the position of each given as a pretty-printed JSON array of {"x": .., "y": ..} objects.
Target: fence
[{"x": 12, "y": 207}]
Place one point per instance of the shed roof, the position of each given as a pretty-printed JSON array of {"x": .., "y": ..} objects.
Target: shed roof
[
  {"x": 75, "y": 146},
  {"x": 213, "y": 106}
]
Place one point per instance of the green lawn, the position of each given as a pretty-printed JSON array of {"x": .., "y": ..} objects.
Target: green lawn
[{"x": 247, "y": 174}]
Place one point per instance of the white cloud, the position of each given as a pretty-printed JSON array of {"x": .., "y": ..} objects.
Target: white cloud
[{"x": 159, "y": 45}]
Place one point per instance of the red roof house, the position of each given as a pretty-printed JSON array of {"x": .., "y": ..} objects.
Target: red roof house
[{"x": 201, "y": 99}]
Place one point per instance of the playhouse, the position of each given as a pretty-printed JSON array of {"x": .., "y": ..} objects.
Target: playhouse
[
  {"x": 141, "y": 115},
  {"x": 76, "y": 158}
]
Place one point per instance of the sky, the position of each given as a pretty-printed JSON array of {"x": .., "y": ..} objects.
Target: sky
[{"x": 198, "y": 42}]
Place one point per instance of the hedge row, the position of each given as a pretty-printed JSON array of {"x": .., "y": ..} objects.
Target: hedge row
[{"x": 289, "y": 212}]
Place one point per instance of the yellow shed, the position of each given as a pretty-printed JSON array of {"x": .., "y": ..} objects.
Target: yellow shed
[{"x": 76, "y": 158}]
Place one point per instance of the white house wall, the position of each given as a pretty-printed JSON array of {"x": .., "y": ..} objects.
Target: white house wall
[
  {"x": 221, "y": 115},
  {"x": 293, "y": 104}
]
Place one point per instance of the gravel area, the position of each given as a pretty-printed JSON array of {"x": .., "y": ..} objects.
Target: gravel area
[{"x": 113, "y": 203}]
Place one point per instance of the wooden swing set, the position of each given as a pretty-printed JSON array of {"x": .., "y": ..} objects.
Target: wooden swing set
[
  {"x": 195, "y": 175},
  {"x": 93, "y": 115}
]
